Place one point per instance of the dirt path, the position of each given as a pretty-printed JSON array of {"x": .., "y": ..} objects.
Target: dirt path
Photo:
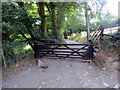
[
  {"x": 61, "y": 73},
  {"x": 71, "y": 42}
]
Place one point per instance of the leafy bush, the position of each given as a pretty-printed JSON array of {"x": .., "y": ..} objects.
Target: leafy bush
[{"x": 115, "y": 40}]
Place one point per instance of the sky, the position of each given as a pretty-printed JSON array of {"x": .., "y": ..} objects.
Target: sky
[{"x": 112, "y": 6}]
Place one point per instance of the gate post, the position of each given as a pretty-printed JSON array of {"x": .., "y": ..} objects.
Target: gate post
[
  {"x": 36, "y": 52},
  {"x": 90, "y": 49}
]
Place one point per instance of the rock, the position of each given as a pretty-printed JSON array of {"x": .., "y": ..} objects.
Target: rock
[
  {"x": 57, "y": 78},
  {"x": 29, "y": 69},
  {"x": 42, "y": 65},
  {"x": 110, "y": 59},
  {"x": 85, "y": 74},
  {"x": 15, "y": 86},
  {"x": 63, "y": 86},
  {"x": 44, "y": 83},
  {"x": 89, "y": 80},
  {"x": 30, "y": 64},
  {"x": 106, "y": 85},
  {"x": 17, "y": 65},
  {"x": 103, "y": 68},
  {"x": 96, "y": 78},
  {"x": 111, "y": 77},
  {"x": 84, "y": 84},
  {"x": 117, "y": 86},
  {"x": 67, "y": 66},
  {"x": 39, "y": 87},
  {"x": 43, "y": 70},
  {"x": 71, "y": 65}
]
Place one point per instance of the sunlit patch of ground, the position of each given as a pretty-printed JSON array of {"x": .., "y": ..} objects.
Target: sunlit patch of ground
[
  {"x": 82, "y": 37},
  {"x": 78, "y": 37}
]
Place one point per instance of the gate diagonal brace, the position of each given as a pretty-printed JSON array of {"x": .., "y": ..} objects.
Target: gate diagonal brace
[
  {"x": 52, "y": 51},
  {"x": 74, "y": 51}
]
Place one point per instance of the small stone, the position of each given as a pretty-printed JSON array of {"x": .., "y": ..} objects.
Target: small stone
[
  {"x": 42, "y": 65},
  {"x": 110, "y": 59},
  {"x": 29, "y": 69},
  {"x": 85, "y": 74},
  {"x": 17, "y": 65},
  {"x": 103, "y": 69},
  {"x": 67, "y": 66},
  {"x": 15, "y": 86},
  {"x": 39, "y": 87},
  {"x": 105, "y": 84},
  {"x": 63, "y": 86},
  {"x": 57, "y": 79},
  {"x": 72, "y": 65},
  {"x": 85, "y": 84},
  {"x": 117, "y": 86},
  {"x": 111, "y": 77},
  {"x": 89, "y": 80},
  {"x": 44, "y": 83},
  {"x": 96, "y": 78}
]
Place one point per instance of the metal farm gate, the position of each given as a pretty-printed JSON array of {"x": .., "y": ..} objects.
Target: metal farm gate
[{"x": 79, "y": 51}]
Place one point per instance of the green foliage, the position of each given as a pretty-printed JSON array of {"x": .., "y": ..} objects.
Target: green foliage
[
  {"x": 112, "y": 45},
  {"x": 15, "y": 30},
  {"x": 78, "y": 37},
  {"x": 115, "y": 41},
  {"x": 21, "y": 26}
]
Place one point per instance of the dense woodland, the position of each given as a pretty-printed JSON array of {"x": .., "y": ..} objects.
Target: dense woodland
[{"x": 23, "y": 23}]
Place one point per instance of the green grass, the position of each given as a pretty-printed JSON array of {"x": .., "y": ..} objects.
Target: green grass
[{"x": 78, "y": 37}]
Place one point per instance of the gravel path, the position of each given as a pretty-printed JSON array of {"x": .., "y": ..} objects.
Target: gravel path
[
  {"x": 71, "y": 42},
  {"x": 62, "y": 74}
]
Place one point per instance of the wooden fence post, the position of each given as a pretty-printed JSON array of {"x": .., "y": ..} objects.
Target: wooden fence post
[
  {"x": 36, "y": 52},
  {"x": 91, "y": 49},
  {"x": 3, "y": 57}
]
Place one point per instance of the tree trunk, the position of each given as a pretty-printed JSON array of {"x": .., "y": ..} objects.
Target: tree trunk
[
  {"x": 87, "y": 22},
  {"x": 56, "y": 22},
  {"x": 43, "y": 19},
  {"x": 60, "y": 21}
]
